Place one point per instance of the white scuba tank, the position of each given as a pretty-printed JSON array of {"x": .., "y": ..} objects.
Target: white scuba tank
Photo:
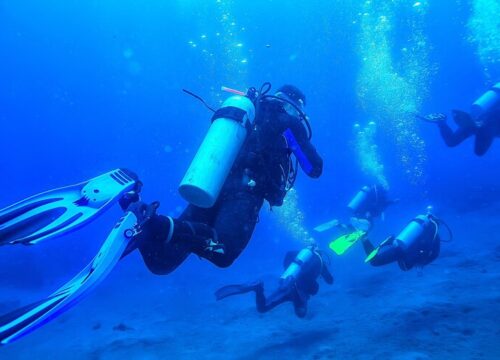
[
  {"x": 293, "y": 269},
  {"x": 414, "y": 230},
  {"x": 360, "y": 199},
  {"x": 210, "y": 167},
  {"x": 486, "y": 101}
]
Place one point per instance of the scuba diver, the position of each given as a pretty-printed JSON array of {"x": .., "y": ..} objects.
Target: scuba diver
[
  {"x": 418, "y": 244},
  {"x": 218, "y": 224},
  {"x": 250, "y": 154},
  {"x": 483, "y": 122},
  {"x": 369, "y": 203},
  {"x": 297, "y": 283}
]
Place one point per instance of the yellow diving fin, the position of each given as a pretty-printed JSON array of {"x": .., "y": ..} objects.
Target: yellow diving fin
[
  {"x": 344, "y": 242},
  {"x": 372, "y": 255}
]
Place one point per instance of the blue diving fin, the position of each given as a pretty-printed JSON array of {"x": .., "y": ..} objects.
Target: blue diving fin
[
  {"x": 23, "y": 321},
  {"x": 57, "y": 212}
]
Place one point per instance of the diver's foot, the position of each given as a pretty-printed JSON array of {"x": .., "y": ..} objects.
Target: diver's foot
[
  {"x": 435, "y": 118},
  {"x": 360, "y": 224}
]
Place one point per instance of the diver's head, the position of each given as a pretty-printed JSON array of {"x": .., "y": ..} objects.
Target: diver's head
[{"x": 293, "y": 94}]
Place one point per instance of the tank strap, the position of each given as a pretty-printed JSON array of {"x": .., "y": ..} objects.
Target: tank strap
[
  {"x": 233, "y": 113},
  {"x": 298, "y": 262},
  {"x": 420, "y": 221}
]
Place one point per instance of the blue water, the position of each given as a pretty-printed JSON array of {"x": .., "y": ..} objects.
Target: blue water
[{"x": 90, "y": 86}]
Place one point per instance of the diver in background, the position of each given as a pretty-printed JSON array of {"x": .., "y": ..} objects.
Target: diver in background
[
  {"x": 297, "y": 283},
  {"x": 483, "y": 122},
  {"x": 369, "y": 203},
  {"x": 262, "y": 171},
  {"x": 418, "y": 244}
]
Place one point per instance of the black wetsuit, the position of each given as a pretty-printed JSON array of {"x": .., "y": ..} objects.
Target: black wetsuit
[
  {"x": 259, "y": 173},
  {"x": 422, "y": 252},
  {"x": 485, "y": 133},
  {"x": 297, "y": 290}
]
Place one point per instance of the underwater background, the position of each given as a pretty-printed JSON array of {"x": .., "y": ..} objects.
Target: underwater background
[{"x": 90, "y": 86}]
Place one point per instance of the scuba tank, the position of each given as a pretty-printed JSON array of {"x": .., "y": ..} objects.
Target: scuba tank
[
  {"x": 415, "y": 229},
  {"x": 295, "y": 267},
  {"x": 216, "y": 155},
  {"x": 231, "y": 125},
  {"x": 417, "y": 241},
  {"x": 360, "y": 200},
  {"x": 486, "y": 102}
]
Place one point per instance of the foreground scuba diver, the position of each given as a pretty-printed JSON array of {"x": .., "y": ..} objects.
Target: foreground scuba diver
[
  {"x": 240, "y": 164},
  {"x": 369, "y": 203},
  {"x": 297, "y": 284},
  {"x": 417, "y": 245},
  {"x": 218, "y": 227},
  {"x": 483, "y": 122}
]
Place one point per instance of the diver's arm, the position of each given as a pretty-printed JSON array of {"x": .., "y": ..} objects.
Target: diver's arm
[
  {"x": 304, "y": 150},
  {"x": 326, "y": 275}
]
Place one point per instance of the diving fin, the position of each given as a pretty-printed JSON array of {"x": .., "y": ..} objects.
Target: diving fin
[
  {"x": 343, "y": 243},
  {"x": 327, "y": 226},
  {"x": 375, "y": 251},
  {"x": 23, "y": 321},
  {"x": 56, "y": 212},
  {"x": 372, "y": 255},
  {"x": 231, "y": 290}
]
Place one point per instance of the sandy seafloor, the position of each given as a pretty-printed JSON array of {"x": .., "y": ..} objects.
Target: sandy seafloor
[{"x": 450, "y": 311}]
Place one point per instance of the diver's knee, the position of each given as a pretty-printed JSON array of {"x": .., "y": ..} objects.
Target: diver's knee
[
  {"x": 261, "y": 310},
  {"x": 155, "y": 265},
  {"x": 376, "y": 262},
  {"x": 301, "y": 311},
  {"x": 158, "y": 270},
  {"x": 223, "y": 261}
]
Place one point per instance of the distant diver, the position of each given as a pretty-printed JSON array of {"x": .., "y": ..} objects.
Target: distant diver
[
  {"x": 246, "y": 157},
  {"x": 483, "y": 122},
  {"x": 296, "y": 285},
  {"x": 368, "y": 204},
  {"x": 418, "y": 244}
]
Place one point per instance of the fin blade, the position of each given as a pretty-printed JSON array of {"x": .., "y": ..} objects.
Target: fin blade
[
  {"x": 327, "y": 226},
  {"x": 345, "y": 242},
  {"x": 17, "y": 324},
  {"x": 34, "y": 219}
]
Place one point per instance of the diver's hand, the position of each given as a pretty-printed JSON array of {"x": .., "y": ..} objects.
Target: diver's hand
[
  {"x": 132, "y": 196},
  {"x": 433, "y": 118},
  {"x": 144, "y": 212}
]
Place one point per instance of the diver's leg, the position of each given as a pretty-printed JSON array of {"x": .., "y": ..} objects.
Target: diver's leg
[
  {"x": 386, "y": 254},
  {"x": 367, "y": 245},
  {"x": 484, "y": 139},
  {"x": 165, "y": 242},
  {"x": 231, "y": 290},
  {"x": 451, "y": 138},
  {"x": 160, "y": 254},
  {"x": 300, "y": 307},
  {"x": 234, "y": 224},
  {"x": 279, "y": 296}
]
